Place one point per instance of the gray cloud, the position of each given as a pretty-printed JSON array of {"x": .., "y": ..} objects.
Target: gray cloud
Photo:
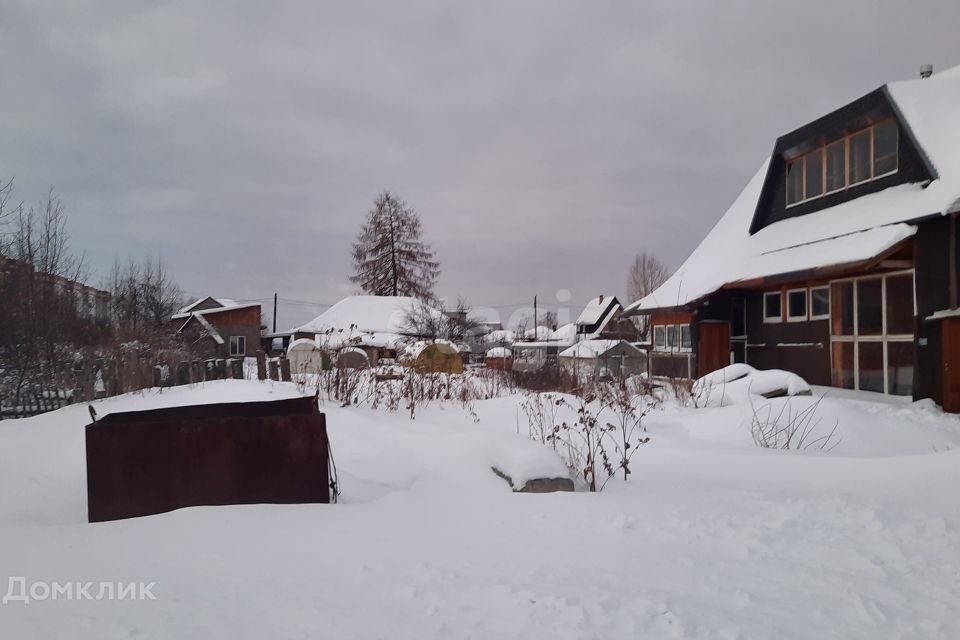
[{"x": 543, "y": 143}]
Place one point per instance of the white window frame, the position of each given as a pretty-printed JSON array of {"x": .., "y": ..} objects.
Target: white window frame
[
  {"x": 823, "y": 316},
  {"x": 770, "y": 319},
  {"x": 806, "y": 305},
  {"x": 235, "y": 341},
  {"x": 662, "y": 344},
  {"x": 664, "y": 347},
  {"x": 883, "y": 338},
  {"x": 676, "y": 334}
]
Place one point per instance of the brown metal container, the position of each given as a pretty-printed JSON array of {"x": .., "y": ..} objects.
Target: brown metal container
[{"x": 147, "y": 462}]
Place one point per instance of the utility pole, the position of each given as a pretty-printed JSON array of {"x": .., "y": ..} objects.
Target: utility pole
[
  {"x": 274, "y": 312},
  {"x": 536, "y": 333}
]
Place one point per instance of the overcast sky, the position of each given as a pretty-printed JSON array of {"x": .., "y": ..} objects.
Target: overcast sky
[{"x": 542, "y": 143}]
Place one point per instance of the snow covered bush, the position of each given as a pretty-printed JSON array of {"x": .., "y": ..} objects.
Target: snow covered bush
[
  {"x": 597, "y": 434},
  {"x": 626, "y": 411}
]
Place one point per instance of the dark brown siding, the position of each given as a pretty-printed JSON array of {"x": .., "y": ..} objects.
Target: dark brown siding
[
  {"x": 933, "y": 294},
  {"x": 800, "y": 347}
]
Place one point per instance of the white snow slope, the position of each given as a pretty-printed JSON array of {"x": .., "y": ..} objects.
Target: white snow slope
[{"x": 711, "y": 538}]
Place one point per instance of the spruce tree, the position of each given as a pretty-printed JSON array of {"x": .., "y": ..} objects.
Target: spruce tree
[{"x": 389, "y": 256}]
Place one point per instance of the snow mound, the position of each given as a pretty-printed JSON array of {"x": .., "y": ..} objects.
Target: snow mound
[{"x": 738, "y": 382}]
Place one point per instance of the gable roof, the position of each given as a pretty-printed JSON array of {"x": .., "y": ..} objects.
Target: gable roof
[
  {"x": 213, "y": 310},
  {"x": 370, "y": 314},
  {"x": 218, "y": 302},
  {"x": 596, "y": 348},
  {"x": 598, "y": 313},
  {"x": 850, "y": 232}
]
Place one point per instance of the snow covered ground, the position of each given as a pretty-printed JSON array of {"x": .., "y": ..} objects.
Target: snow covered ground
[{"x": 713, "y": 537}]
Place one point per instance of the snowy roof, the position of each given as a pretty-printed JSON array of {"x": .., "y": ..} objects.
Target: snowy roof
[
  {"x": 499, "y": 352},
  {"x": 600, "y": 308},
  {"x": 562, "y": 337},
  {"x": 538, "y": 333},
  {"x": 413, "y": 350},
  {"x": 589, "y": 348},
  {"x": 225, "y": 305},
  {"x": 306, "y": 344},
  {"x": 223, "y": 302},
  {"x": 852, "y": 231},
  {"x": 500, "y": 335},
  {"x": 367, "y": 314}
]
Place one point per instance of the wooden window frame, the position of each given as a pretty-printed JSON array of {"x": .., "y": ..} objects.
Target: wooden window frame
[
  {"x": 849, "y": 138},
  {"x": 822, "y": 316},
  {"x": 883, "y": 338},
  {"x": 806, "y": 305},
  {"x": 237, "y": 340},
  {"x": 896, "y": 151},
  {"x": 770, "y": 319},
  {"x": 822, "y": 149}
]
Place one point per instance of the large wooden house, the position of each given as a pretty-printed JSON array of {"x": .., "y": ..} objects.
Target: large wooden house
[{"x": 838, "y": 261}]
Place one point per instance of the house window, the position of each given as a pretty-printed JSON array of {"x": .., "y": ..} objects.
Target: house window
[
  {"x": 819, "y": 303},
  {"x": 672, "y": 337},
  {"x": 836, "y": 166},
  {"x": 238, "y": 345},
  {"x": 772, "y": 307},
  {"x": 884, "y": 148},
  {"x": 795, "y": 182},
  {"x": 796, "y": 305},
  {"x": 859, "y": 158},
  {"x": 659, "y": 337},
  {"x": 872, "y": 324},
  {"x": 863, "y": 156}
]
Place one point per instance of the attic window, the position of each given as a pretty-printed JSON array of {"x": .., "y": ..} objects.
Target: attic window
[{"x": 865, "y": 155}]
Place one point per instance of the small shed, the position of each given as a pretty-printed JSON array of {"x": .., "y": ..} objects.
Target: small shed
[
  {"x": 499, "y": 358},
  {"x": 305, "y": 356}
]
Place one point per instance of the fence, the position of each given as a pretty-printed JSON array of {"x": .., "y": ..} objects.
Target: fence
[{"x": 97, "y": 377}]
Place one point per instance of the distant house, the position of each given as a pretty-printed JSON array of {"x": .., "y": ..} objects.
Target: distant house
[
  {"x": 606, "y": 358},
  {"x": 838, "y": 261},
  {"x": 603, "y": 317},
  {"x": 541, "y": 346},
  {"x": 379, "y": 325},
  {"x": 221, "y": 328}
]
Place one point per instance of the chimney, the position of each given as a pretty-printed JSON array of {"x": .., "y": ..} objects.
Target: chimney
[{"x": 926, "y": 70}]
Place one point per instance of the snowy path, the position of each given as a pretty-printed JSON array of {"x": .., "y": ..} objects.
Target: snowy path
[{"x": 712, "y": 539}]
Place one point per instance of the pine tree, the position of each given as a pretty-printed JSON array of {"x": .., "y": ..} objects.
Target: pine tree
[{"x": 389, "y": 256}]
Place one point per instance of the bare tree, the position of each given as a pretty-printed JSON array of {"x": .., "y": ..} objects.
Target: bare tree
[
  {"x": 429, "y": 321},
  {"x": 41, "y": 294},
  {"x": 143, "y": 296},
  {"x": 389, "y": 257},
  {"x": 646, "y": 274}
]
